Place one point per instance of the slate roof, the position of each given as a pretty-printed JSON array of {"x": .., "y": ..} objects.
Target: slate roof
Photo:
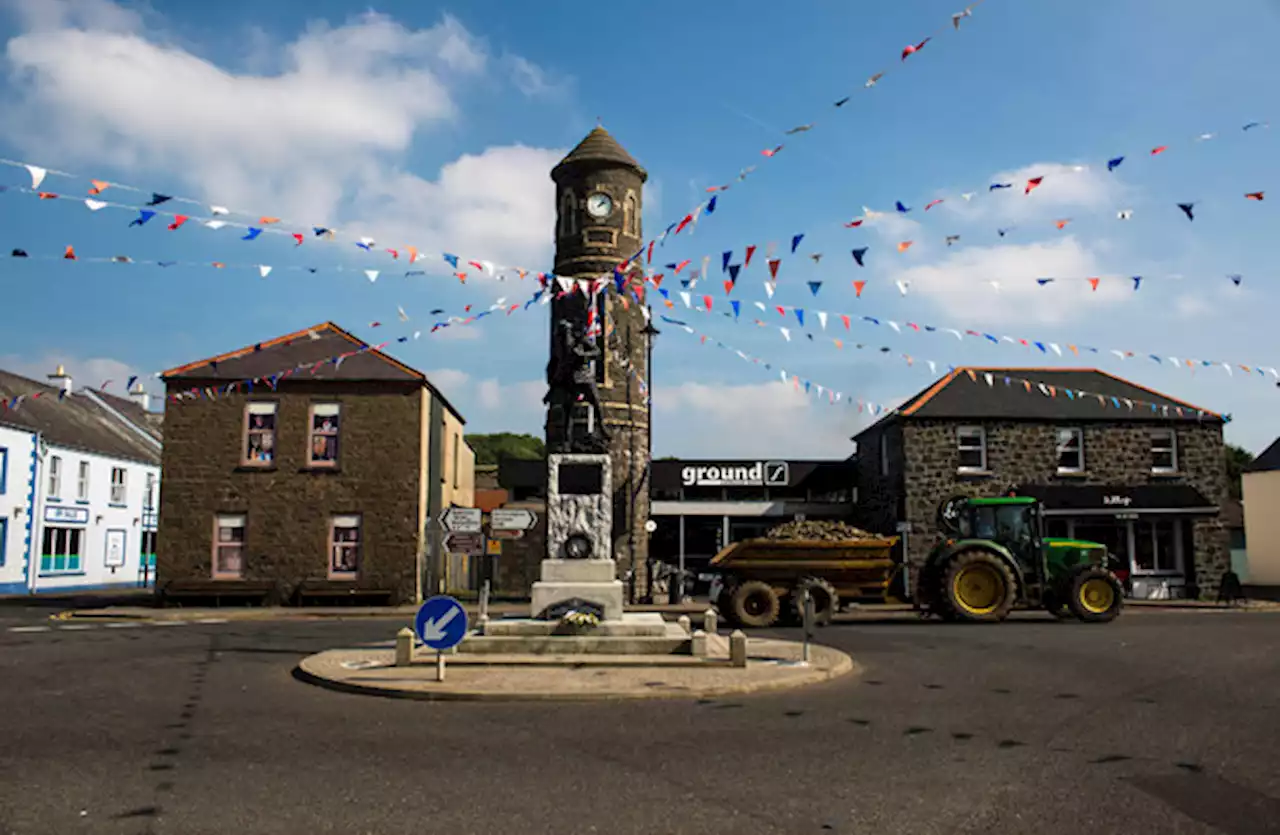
[
  {"x": 75, "y": 421},
  {"x": 148, "y": 421},
  {"x": 305, "y": 347},
  {"x": 1269, "y": 459},
  {"x": 957, "y": 396},
  {"x": 598, "y": 146}
]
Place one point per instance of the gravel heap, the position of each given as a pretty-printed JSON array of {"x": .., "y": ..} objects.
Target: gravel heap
[{"x": 816, "y": 529}]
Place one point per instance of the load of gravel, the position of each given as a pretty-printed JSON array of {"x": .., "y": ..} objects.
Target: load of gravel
[{"x": 820, "y": 530}]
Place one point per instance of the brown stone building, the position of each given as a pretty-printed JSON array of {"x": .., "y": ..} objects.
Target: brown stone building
[
  {"x": 306, "y": 466},
  {"x": 1139, "y": 471}
]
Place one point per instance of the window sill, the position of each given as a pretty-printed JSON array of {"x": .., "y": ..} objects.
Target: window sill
[
  {"x": 62, "y": 573},
  {"x": 1070, "y": 474},
  {"x": 1167, "y": 474},
  {"x": 968, "y": 473},
  {"x": 82, "y": 501},
  {"x": 321, "y": 468},
  {"x": 117, "y": 505},
  {"x": 255, "y": 468},
  {"x": 227, "y": 578}
]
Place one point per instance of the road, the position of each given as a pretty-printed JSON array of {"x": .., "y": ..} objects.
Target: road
[{"x": 1160, "y": 722}]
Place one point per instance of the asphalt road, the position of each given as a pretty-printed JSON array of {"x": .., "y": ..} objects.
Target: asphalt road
[{"x": 1160, "y": 722}]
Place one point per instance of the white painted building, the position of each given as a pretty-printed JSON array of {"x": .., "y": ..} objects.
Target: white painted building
[{"x": 81, "y": 488}]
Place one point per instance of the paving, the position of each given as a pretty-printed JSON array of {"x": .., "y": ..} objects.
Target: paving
[
  {"x": 1162, "y": 722},
  {"x": 771, "y": 665}
]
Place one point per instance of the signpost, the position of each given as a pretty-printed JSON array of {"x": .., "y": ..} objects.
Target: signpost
[
  {"x": 462, "y": 520},
  {"x": 471, "y": 544},
  {"x": 511, "y": 519},
  {"x": 441, "y": 623}
]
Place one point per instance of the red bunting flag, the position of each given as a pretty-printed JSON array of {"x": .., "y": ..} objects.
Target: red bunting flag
[
  {"x": 857, "y": 289},
  {"x": 905, "y": 245},
  {"x": 48, "y": 195},
  {"x": 751, "y": 250},
  {"x": 1033, "y": 183},
  {"x": 649, "y": 258},
  {"x": 178, "y": 220},
  {"x": 932, "y": 203},
  {"x": 686, "y": 262},
  {"x": 1159, "y": 150},
  {"x": 768, "y": 152},
  {"x": 844, "y": 317},
  {"x": 395, "y": 254},
  {"x": 683, "y": 223},
  {"x": 914, "y": 48},
  {"x": 1062, "y": 224},
  {"x": 774, "y": 263},
  {"x": 70, "y": 254},
  {"x": 1093, "y": 282},
  {"x": 782, "y": 311},
  {"x": 217, "y": 265},
  {"x": 461, "y": 277},
  {"x": 854, "y": 224},
  {"x": 1254, "y": 195},
  {"x": 297, "y": 236},
  {"x": 477, "y": 265},
  {"x": 707, "y": 301}
]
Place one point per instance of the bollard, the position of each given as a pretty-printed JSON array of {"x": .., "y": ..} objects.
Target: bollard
[
  {"x": 685, "y": 624},
  {"x": 737, "y": 648},
  {"x": 404, "y": 647},
  {"x": 710, "y": 622},
  {"x": 699, "y": 644}
]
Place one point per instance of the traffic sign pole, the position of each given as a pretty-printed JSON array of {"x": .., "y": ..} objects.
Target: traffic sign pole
[
  {"x": 441, "y": 624},
  {"x": 440, "y": 666}
]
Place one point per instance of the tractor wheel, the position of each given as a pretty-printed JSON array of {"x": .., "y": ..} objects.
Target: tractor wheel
[
  {"x": 978, "y": 586},
  {"x": 1096, "y": 596},
  {"x": 755, "y": 603},
  {"x": 826, "y": 602}
]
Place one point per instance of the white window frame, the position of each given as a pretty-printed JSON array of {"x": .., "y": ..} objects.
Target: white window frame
[
  {"x": 82, "y": 482},
  {"x": 323, "y": 410},
  {"x": 346, "y": 521},
  {"x": 231, "y": 521},
  {"x": 961, "y": 447},
  {"x": 55, "y": 477},
  {"x": 1157, "y": 438},
  {"x": 119, "y": 489},
  {"x": 884, "y": 454},
  {"x": 1075, "y": 433}
]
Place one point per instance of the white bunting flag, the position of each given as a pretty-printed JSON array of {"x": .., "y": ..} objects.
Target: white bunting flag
[
  {"x": 372, "y": 274},
  {"x": 264, "y": 270},
  {"x": 404, "y": 317},
  {"x": 769, "y": 288},
  {"x": 902, "y": 286},
  {"x": 1055, "y": 348},
  {"x": 990, "y": 378},
  {"x": 686, "y": 298},
  {"x": 95, "y": 205},
  {"x": 219, "y": 210},
  {"x": 37, "y": 175},
  {"x": 215, "y": 224},
  {"x": 822, "y": 319},
  {"x": 933, "y": 366},
  {"x": 785, "y": 333},
  {"x": 894, "y": 325}
]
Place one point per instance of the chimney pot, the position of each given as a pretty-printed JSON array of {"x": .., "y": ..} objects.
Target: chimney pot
[{"x": 61, "y": 375}]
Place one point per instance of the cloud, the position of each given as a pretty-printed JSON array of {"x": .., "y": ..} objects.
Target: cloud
[
  {"x": 89, "y": 372},
  {"x": 322, "y": 139},
  {"x": 490, "y": 404},
  {"x": 960, "y": 283},
  {"x": 700, "y": 420},
  {"x": 1066, "y": 187}
]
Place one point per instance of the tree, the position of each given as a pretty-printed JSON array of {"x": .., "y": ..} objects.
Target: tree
[
  {"x": 491, "y": 448},
  {"x": 1237, "y": 459}
]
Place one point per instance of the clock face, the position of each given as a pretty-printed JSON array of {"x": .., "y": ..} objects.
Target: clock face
[{"x": 599, "y": 205}]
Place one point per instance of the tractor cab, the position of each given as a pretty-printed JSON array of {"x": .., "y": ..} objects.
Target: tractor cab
[{"x": 994, "y": 555}]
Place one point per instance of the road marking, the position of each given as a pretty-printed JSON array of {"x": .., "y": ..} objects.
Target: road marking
[
  {"x": 167, "y": 622},
  {"x": 75, "y": 627},
  {"x": 212, "y": 620},
  {"x": 124, "y": 624},
  {"x": 30, "y": 628}
]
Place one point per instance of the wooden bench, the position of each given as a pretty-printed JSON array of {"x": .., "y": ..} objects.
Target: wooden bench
[
  {"x": 337, "y": 592},
  {"x": 177, "y": 592}
]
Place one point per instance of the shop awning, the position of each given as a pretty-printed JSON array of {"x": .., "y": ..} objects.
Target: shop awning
[{"x": 1094, "y": 499}]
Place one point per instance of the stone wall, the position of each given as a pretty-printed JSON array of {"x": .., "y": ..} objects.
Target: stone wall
[
  {"x": 1026, "y": 453},
  {"x": 289, "y": 506},
  {"x": 520, "y": 564},
  {"x": 879, "y": 507}
]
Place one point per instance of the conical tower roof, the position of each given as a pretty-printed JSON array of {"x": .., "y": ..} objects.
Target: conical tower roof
[{"x": 598, "y": 147}]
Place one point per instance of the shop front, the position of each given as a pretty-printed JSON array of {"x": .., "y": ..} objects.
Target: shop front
[
  {"x": 698, "y": 507},
  {"x": 1149, "y": 527}
]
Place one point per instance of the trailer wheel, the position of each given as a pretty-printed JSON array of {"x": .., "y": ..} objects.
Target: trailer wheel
[
  {"x": 755, "y": 603},
  {"x": 825, "y": 600}
]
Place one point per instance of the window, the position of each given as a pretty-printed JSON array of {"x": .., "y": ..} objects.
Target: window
[
  {"x": 148, "y": 556},
  {"x": 228, "y": 546},
  {"x": 118, "y": 485},
  {"x": 1157, "y": 546},
  {"x": 1070, "y": 450},
  {"x": 631, "y": 214},
  {"x": 55, "y": 476},
  {"x": 4, "y": 539},
  {"x": 4, "y": 468},
  {"x": 82, "y": 482},
  {"x": 1164, "y": 451},
  {"x": 62, "y": 551},
  {"x": 344, "y": 546},
  {"x": 260, "y": 434},
  {"x": 884, "y": 454},
  {"x": 568, "y": 215},
  {"x": 323, "y": 450},
  {"x": 971, "y": 443}
]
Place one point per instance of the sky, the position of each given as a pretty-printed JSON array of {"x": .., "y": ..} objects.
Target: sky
[{"x": 436, "y": 126}]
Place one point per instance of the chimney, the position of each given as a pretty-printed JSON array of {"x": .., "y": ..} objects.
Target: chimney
[
  {"x": 139, "y": 395},
  {"x": 62, "y": 375}
]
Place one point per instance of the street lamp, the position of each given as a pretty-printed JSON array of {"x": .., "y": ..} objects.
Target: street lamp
[{"x": 649, "y": 333}]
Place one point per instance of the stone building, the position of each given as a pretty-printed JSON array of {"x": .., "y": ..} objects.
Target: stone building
[
  {"x": 1146, "y": 481},
  {"x": 599, "y": 189},
  {"x": 304, "y": 467}
]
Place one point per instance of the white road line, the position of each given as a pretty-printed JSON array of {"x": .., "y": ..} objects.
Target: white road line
[
  {"x": 167, "y": 622},
  {"x": 30, "y": 628},
  {"x": 124, "y": 624},
  {"x": 75, "y": 627},
  {"x": 212, "y": 620}
]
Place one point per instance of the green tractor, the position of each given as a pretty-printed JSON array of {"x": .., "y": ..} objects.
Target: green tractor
[{"x": 994, "y": 556}]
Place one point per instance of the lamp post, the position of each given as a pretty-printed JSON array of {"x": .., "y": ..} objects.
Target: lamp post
[{"x": 649, "y": 333}]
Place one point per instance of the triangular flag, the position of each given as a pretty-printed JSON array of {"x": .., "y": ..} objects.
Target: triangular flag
[
  {"x": 751, "y": 250},
  {"x": 1137, "y": 282},
  {"x": 178, "y": 220},
  {"x": 95, "y": 205},
  {"x": 822, "y": 319},
  {"x": 800, "y": 316},
  {"x": 220, "y": 210},
  {"x": 733, "y": 272},
  {"x": 905, "y": 245},
  {"x": 814, "y": 286},
  {"x": 99, "y": 186},
  {"x": 70, "y": 253},
  {"x": 902, "y": 286},
  {"x": 371, "y": 274},
  {"x": 37, "y": 175},
  {"x": 215, "y": 224},
  {"x": 769, "y": 288},
  {"x": 774, "y": 263},
  {"x": 264, "y": 270},
  {"x": 143, "y": 217},
  {"x": 251, "y": 234},
  {"x": 859, "y": 254},
  {"x": 795, "y": 242},
  {"x": 706, "y": 300},
  {"x": 1033, "y": 183},
  {"x": 1093, "y": 282},
  {"x": 857, "y": 288},
  {"x": 1114, "y": 163}
]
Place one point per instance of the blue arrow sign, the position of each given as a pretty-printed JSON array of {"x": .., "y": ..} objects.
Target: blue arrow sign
[{"x": 441, "y": 623}]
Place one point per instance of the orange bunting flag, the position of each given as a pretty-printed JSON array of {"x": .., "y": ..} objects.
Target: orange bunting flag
[
  {"x": 704, "y": 339},
  {"x": 1026, "y": 384},
  {"x": 839, "y": 343},
  {"x": 768, "y": 152},
  {"x": 1062, "y": 224},
  {"x": 774, "y": 263},
  {"x": 413, "y": 256},
  {"x": 905, "y": 245},
  {"x": 267, "y": 221},
  {"x": 178, "y": 220},
  {"x": 48, "y": 195},
  {"x": 728, "y": 286},
  {"x": 1159, "y": 150},
  {"x": 462, "y": 277},
  {"x": 857, "y": 289},
  {"x": 217, "y": 265},
  {"x": 1093, "y": 282},
  {"x": 686, "y": 262},
  {"x": 707, "y": 301},
  {"x": 1074, "y": 350},
  {"x": 972, "y": 376},
  {"x": 844, "y": 317},
  {"x": 70, "y": 254},
  {"x": 99, "y": 186},
  {"x": 1032, "y": 183},
  {"x": 1254, "y": 195}
]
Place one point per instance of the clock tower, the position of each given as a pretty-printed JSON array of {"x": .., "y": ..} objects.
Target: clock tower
[{"x": 598, "y": 201}]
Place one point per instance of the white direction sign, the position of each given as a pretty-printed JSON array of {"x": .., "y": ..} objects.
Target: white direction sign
[
  {"x": 512, "y": 519},
  {"x": 462, "y": 520}
]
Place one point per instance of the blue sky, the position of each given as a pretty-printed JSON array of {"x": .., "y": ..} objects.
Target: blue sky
[{"x": 434, "y": 125}]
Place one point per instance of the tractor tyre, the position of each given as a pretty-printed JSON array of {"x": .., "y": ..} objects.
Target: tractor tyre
[
  {"x": 826, "y": 602},
  {"x": 1096, "y": 595},
  {"x": 755, "y": 603},
  {"x": 978, "y": 587}
]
